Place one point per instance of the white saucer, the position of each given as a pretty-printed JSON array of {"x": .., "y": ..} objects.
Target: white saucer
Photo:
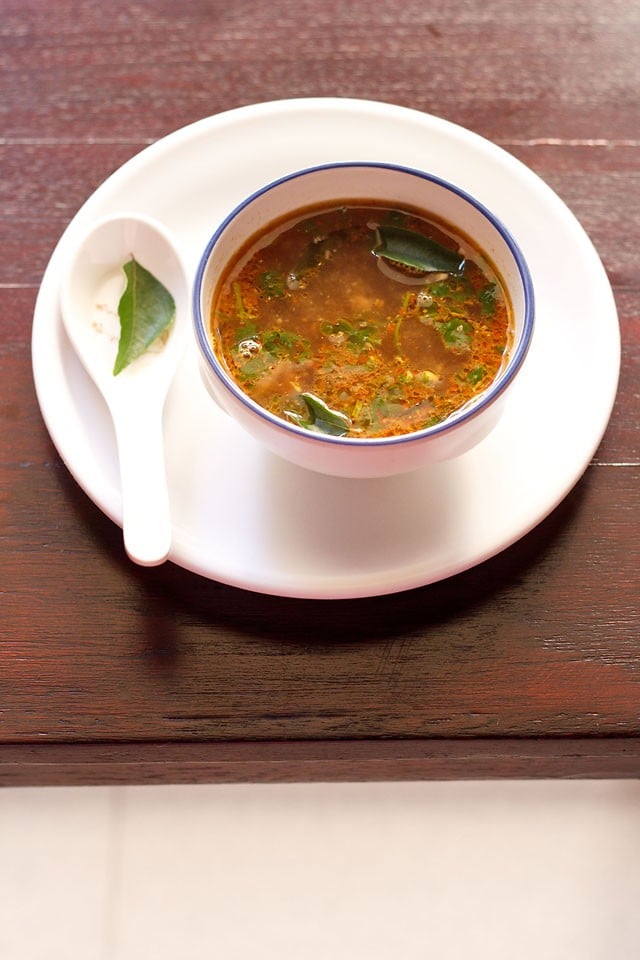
[{"x": 245, "y": 518}]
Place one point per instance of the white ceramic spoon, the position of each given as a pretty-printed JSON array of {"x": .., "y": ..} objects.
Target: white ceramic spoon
[{"x": 90, "y": 293}]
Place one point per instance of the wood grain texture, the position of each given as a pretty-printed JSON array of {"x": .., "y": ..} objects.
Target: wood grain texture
[
  {"x": 527, "y": 665},
  {"x": 542, "y": 68},
  {"x": 295, "y": 761}
]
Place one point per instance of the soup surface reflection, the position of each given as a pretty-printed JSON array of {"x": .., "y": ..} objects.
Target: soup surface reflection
[{"x": 361, "y": 320}]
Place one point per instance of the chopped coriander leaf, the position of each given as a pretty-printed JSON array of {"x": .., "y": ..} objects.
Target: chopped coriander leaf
[
  {"x": 246, "y": 331},
  {"x": 456, "y": 333},
  {"x": 285, "y": 343},
  {"x": 476, "y": 375},
  {"x": 258, "y": 365},
  {"x": 360, "y": 336},
  {"x": 243, "y": 313},
  {"x": 487, "y": 297},
  {"x": 272, "y": 284}
]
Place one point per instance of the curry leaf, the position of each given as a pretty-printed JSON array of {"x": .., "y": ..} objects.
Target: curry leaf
[
  {"x": 146, "y": 310},
  {"x": 412, "y": 249},
  {"x": 322, "y": 418}
]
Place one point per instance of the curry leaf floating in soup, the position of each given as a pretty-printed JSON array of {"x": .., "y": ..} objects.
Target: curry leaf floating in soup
[{"x": 361, "y": 320}]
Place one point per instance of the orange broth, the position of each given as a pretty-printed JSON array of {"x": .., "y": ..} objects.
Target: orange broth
[{"x": 322, "y": 332}]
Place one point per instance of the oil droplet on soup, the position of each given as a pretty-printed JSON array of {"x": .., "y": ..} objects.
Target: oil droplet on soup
[{"x": 361, "y": 320}]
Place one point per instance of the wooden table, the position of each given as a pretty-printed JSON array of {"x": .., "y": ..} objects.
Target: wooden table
[{"x": 527, "y": 665}]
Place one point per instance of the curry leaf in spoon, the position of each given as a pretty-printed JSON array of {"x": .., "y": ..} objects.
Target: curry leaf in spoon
[
  {"x": 146, "y": 310},
  {"x": 412, "y": 249}
]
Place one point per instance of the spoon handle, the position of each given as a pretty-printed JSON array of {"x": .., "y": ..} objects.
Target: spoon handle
[{"x": 146, "y": 519}]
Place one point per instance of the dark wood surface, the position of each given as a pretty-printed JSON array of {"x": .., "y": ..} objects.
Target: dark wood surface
[{"x": 527, "y": 665}]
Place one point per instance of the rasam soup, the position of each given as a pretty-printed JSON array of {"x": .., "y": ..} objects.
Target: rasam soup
[{"x": 361, "y": 320}]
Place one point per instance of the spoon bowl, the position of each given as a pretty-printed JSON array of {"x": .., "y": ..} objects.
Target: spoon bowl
[{"x": 89, "y": 297}]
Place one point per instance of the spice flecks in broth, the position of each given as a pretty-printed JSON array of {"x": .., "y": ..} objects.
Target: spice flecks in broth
[{"x": 334, "y": 320}]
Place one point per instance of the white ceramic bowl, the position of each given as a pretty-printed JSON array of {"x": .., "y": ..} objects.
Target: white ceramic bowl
[{"x": 379, "y": 456}]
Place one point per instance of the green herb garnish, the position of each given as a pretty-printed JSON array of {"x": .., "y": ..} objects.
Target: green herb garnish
[
  {"x": 146, "y": 309},
  {"x": 283, "y": 343},
  {"x": 453, "y": 290},
  {"x": 243, "y": 313},
  {"x": 412, "y": 249},
  {"x": 246, "y": 331},
  {"x": 320, "y": 418},
  {"x": 456, "y": 333},
  {"x": 384, "y": 407},
  {"x": 476, "y": 375},
  {"x": 487, "y": 298},
  {"x": 272, "y": 285},
  {"x": 256, "y": 366},
  {"x": 360, "y": 336}
]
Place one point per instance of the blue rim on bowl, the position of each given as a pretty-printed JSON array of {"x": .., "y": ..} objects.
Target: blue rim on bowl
[{"x": 455, "y": 419}]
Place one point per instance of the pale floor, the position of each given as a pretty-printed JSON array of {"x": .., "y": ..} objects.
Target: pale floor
[{"x": 516, "y": 870}]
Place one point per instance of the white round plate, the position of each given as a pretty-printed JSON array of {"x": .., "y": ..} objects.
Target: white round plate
[{"x": 242, "y": 516}]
